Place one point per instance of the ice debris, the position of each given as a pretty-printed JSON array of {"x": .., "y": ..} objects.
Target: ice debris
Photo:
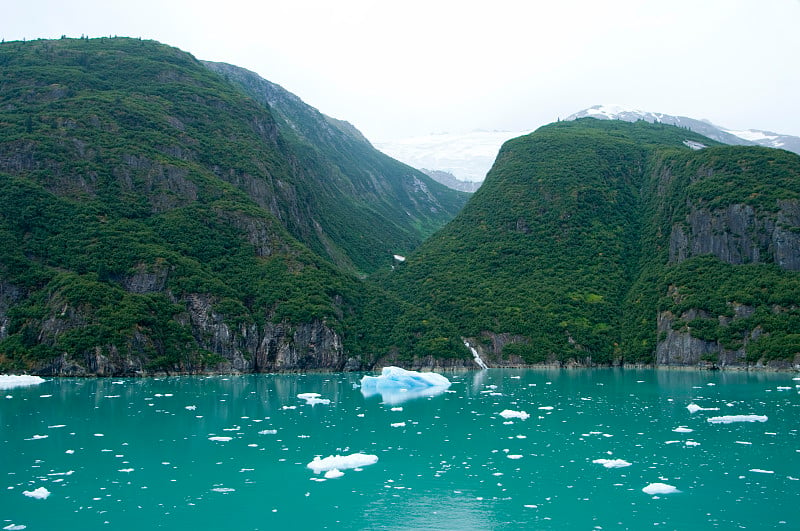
[
  {"x": 10, "y": 381},
  {"x": 40, "y": 494},
  {"x": 612, "y": 463},
  {"x": 396, "y": 385},
  {"x": 727, "y": 419},
  {"x": 511, "y": 414},
  {"x": 341, "y": 462},
  {"x": 313, "y": 398},
  {"x": 694, "y": 408},
  {"x": 659, "y": 488}
]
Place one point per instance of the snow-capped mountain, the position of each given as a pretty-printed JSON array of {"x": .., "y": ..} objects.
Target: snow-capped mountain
[
  {"x": 704, "y": 127},
  {"x": 469, "y": 156}
]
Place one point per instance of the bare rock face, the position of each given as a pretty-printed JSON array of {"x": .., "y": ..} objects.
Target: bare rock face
[
  {"x": 740, "y": 235},
  {"x": 9, "y": 294}
]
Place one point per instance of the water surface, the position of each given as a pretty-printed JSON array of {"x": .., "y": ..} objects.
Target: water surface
[{"x": 231, "y": 452}]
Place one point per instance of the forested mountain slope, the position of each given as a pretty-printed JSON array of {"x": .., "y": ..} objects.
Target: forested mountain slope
[
  {"x": 155, "y": 217},
  {"x": 610, "y": 242}
]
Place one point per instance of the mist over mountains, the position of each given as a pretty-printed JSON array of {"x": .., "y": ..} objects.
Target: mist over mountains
[{"x": 469, "y": 156}]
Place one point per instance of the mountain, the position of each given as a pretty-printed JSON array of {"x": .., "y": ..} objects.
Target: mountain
[
  {"x": 449, "y": 180},
  {"x": 154, "y": 217},
  {"x": 612, "y": 242},
  {"x": 749, "y": 137}
]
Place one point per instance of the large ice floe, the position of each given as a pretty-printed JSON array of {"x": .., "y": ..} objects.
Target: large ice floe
[
  {"x": 396, "y": 385},
  {"x": 9, "y": 381},
  {"x": 612, "y": 463},
  {"x": 334, "y": 464},
  {"x": 40, "y": 494},
  {"x": 659, "y": 488},
  {"x": 727, "y": 419}
]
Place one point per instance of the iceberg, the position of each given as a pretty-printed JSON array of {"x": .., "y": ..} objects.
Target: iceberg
[
  {"x": 612, "y": 463},
  {"x": 727, "y": 419},
  {"x": 10, "y": 381},
  {"x": 341, "y": 462},
  {"x": 659, "y": 488},
  {"x": 510, "y": 414},
  {"x": 40, "y": 494},
  {"x": 396, "y": 385}
]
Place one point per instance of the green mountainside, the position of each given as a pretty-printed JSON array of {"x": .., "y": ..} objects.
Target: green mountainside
[
  {"x": 155, "y": 217},
  {"x": 159, "y": 214},
  {"x": 610, "y": 242}
]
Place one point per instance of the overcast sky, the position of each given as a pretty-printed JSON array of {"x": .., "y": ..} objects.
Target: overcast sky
[{"x": 407, "y": 68}]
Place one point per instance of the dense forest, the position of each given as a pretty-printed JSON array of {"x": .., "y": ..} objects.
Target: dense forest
[{"x": 161, "y": 214}]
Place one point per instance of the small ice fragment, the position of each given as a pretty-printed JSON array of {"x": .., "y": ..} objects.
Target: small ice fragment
[
  {"x": 659, "y": 488},
  {"x": 220, "y": 439},
  {"x": 692, "y": 443},
  {"x": 693, "y": 408},
  {"x": 40, "y": 494},
  {"x": 742, "y": 442},
  {"x": 342, "y": 462},
  {"x": 683, "y": 429},
  {"x": 398, "y": 424},
  {"x": 761, "y": 471},
  {"x": 268, "y": 432},
  {"x": 191, "y": 408},
  {"x": 510, "y": 414},
  {"x": 727, "y": 419},
  {"x": 313, "y": 398},
  {"x": 514, "y": 456},
  {"x": 70, "y": 452},
  {"x": 397, "y": 409},
  {"x": 14, "y": 527},
  {"x": 333, "y": 473},
  {"x": 612, "y": 463},
  {"x": 10, "y": 381},
  {"x": 127, "y": 470},
  {"x": 546, "y": 407},
  {"x": 223, "y": 489},
  {"x": 289, "y": 407}
]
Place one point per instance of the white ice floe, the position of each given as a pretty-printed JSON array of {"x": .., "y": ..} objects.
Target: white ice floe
[
  {"x": 220, "y": 439},
  {"x": 548, "y": 408},
  {"x": 761, "y": 471},
  {"x": 514, "y": 456},
  {"x": 659, "y": 488},
  {"x": 190, "y": 408},
  {"x": 692, "y": 443},
  {"x": 694, "y": 408},
  {"x": 313, "y": 398},
  {"x": 10, "y": 381},
  {"x": 223, "y": 489},
  {"x": 341, "y": 462},
  {"x": 40, "y": 494},
  {"x": 333, "y": 473},
  {"x": 683, "y": 429},
  {"x": 612, "y": 463},
  {"x": 268, "y": 432},
  {"x": 14, "y": 527},
  {"x": 396, "y": 385},
  {"x": 511, "y": 414},
  {"x": 727, "y": 419},
  {"x": 398, "y": 424}
]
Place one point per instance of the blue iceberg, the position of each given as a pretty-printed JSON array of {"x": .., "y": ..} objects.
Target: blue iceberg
[{"x": 396, "y": 385}]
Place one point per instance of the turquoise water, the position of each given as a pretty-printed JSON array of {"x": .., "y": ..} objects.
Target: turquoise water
[{"x": 144, "y": 454}]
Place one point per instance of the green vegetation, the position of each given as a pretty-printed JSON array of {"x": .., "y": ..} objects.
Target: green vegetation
[{"x": 565, "y": 246}]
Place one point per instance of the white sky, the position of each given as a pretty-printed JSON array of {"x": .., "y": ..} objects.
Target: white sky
[{"x": 412, "y": 67}]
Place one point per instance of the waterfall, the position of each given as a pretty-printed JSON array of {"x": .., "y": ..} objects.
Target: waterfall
[{"x": 475, "y": 355}]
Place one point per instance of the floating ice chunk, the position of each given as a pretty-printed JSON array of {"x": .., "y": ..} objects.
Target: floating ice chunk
[
  {"x": 692, "y": 443},
  {"x": 683, "y": 429},
  {"x": 333, "y": 473},
  {"x": 761, "y": 471},
  {"x": 511, "y": 414},
  {"x": 10, "y": 381},
  {"x": 313, "y": 398},
  {"x": 396, "y": 385},
  {"x": 514, "y": 456},
  {"x": 268, "y": 432},
  {"x": 223, "y": 489},
  {"x": 398, "y": 424},
  {"x": 694, "y": 408},
  {"x": 127, "y": 470},
  {"x": 220, "y": 439},
  {"x": 659, "y": 488},
  {"x": 612, "y": 463},
  {"x": 727, "y": 419},
  {"x": 341, "y": 462},
  {"x": 546, "y": 407},
  {"x": 40, "y": 494},
  {"x": 191, "y": 408},
  {"x": 14, "y": 527}
]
